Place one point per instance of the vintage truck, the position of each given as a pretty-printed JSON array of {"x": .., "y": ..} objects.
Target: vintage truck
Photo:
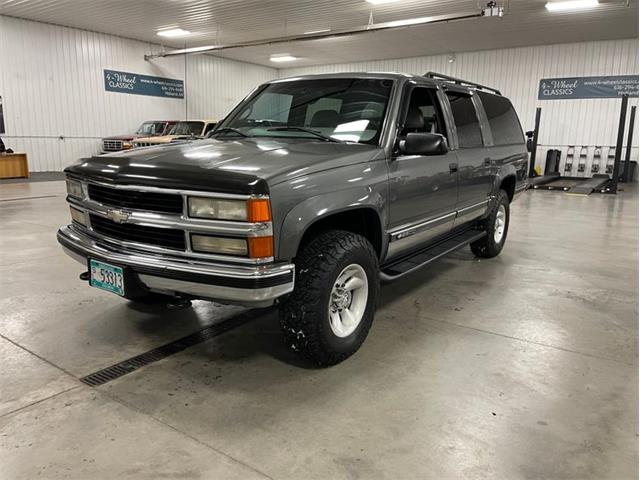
[
  {"x": 182, "y": 130},
  {"x": 312, "y": 191},
  {"x": 150, "y": 128}
]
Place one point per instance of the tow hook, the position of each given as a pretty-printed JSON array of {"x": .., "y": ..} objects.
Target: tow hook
[
  {"x": 84, "y": 276},
  {"x": 179, "y": 302}
]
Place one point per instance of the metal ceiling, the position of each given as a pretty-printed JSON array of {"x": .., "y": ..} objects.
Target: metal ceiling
[{"x": 224, "y": 22}]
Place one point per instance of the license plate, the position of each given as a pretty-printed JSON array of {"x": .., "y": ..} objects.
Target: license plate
[{"x": 106, "y": 277}]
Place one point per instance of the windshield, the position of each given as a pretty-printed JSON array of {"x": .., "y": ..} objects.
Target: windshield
[
  {"x": 187, "y": 128},
  {"x": 151, "y": 128},
  {"x": 344, "y": 109}
]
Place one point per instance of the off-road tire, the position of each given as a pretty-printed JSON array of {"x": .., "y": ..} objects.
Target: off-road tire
[
  {"x": 487, "y": 247},
  {"x": 304, "y": 315}
]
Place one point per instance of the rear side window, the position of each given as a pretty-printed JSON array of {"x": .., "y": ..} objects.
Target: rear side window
[
  {"x": 466, "y": 120},
  {"x": 503, "y": 120}
]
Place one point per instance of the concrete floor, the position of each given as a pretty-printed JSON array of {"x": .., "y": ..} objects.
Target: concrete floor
[{"x": 524, "y": 366}]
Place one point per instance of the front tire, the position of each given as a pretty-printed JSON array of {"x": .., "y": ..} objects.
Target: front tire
[
  {"x": 496, "y": 225},
  {"x": 328, "y": 315}
]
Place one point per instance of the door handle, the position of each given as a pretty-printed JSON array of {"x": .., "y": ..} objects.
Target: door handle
[
  {"x": 453, "y": 167},
  {"x": 487, "y": 161}
]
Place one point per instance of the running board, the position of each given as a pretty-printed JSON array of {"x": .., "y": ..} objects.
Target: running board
[{"x": 409, "y": 263}]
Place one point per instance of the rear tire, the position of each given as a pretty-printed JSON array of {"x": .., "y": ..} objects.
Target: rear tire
[
  {"x": 496, "y": 225},
  {"x": 328, "y": 315}
]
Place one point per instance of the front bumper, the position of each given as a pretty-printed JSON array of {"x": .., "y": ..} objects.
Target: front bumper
[{"x": 253, "y": 285}]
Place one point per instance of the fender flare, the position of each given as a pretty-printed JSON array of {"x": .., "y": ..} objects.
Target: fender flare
[
  {"x": 304, "y": 215},
  {"x": 503, "y": 173}
]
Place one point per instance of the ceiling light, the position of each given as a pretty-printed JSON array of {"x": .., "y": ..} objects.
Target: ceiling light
[
  {"x": 571, "y": 5},
  {"x": 196, "y": 49},
  {"x": 173, "y": 32},
  {"x": 317, "y": 31},
  {"x": 380, "y": 2},
  {"x": 283, "y": 58},
  {"x": 409, "y": 21}
]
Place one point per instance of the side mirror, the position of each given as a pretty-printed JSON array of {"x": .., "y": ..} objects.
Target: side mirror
[{"x": 423, "y": 144}]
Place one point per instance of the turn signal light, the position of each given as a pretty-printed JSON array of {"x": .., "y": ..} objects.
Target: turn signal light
[
  {"x": 258, "y": 210},
  {"x": 260, "y": 247}
]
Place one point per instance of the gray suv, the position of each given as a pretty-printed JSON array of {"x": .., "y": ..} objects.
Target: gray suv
[{"x": 312, "y": 191}]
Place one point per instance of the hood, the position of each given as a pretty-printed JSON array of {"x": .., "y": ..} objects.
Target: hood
[
  {"x": 131, "y": 136},
  {"x": 158, "y": 139},
  {"x": 229, "y": 166}
]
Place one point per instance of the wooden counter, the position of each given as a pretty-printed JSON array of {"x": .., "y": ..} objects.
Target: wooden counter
[{"x": 14, "y": 165}]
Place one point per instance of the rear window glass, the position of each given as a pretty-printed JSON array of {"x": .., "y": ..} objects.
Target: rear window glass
[
  {"x": 503, "y": 120},
  {"x": 466, "y": 120}
]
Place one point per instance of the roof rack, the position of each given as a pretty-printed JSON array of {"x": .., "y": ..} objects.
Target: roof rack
[{"x": 447, "y": 78}]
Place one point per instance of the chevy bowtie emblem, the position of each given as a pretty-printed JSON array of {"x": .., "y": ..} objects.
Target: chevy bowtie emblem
[{"x": 118, "y": 216}]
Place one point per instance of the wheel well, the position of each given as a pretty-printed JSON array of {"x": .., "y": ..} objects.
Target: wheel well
[
  {"x": 509, "y": 186},
  {"x": 363, "y": 221}
]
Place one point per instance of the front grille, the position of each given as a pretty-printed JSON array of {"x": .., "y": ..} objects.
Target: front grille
[
  {"x": 162, "y": 237},
  {"x": 112, "y": 145},
  {"x": 151, "y": 201}
]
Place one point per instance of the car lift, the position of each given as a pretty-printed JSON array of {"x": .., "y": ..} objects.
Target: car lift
[{"x": 602, "y": 183}]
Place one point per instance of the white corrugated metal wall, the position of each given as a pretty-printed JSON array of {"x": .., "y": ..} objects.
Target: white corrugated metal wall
[
  {"x": 55, "y": 105},
  {"x": 52, "y": 87},
  {"x": 517, "y": 72}
]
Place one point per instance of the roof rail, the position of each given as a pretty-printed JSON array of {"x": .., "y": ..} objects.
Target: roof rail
[{"x": 447, "y": 78}]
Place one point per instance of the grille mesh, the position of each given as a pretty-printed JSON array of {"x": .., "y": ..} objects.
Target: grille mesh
[
  {"x": 162, "y": 237},
  {"x": 112, "y": 145},
  {"x": 151, "y": 201}
]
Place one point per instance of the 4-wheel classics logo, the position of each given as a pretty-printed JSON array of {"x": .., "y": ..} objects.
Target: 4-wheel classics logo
[
  {"x": 588, "y": 87},
  {"x": 554, "y": 88},
  {"x": 138, "y": 84},
  {"x": 117, "y": 80}
]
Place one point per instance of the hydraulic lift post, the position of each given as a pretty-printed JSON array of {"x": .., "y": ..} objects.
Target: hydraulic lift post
[
  {"x": 627, "y": 157},
  {"x": 534, "y": 146},
  {"x": 613, "y": 186}
]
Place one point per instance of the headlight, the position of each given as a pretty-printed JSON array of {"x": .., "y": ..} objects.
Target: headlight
[
  {"x": 78, "y": 216},
  {"x": 253, "y": 210},
  {"x": 74, "y": 189},
  {"x": 127, "y": 145},
  {"x": 202, "y": 207},
  {"x": 221, "y": 245}
]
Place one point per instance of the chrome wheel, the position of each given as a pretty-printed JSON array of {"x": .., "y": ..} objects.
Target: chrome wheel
[
  {"x": 498, "y": 228},
  {"x": 348, "y": 300}
]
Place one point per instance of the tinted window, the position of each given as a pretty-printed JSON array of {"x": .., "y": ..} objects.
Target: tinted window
[
  {"x": 423, "y": 101},
  {"x": 187, "y": 128},
  {"x": 466, "y": 120},
  {"x": 503, "y": 120},
  {"x": 348, "y": 109}
]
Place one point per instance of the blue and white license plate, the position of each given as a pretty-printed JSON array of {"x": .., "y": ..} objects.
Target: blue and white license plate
[{"x": 106, "y": 277}]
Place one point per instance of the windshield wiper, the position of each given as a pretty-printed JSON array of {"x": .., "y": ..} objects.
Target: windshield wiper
[
  {"x": 227, "y": 130},
  {"x": 292, "y": 128}
]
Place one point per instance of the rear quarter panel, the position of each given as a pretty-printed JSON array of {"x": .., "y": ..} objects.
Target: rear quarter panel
[{"x": 510, "y": 160}]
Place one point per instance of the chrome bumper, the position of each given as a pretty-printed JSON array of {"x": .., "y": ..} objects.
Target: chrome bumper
[{"x": 252, "y": 285}]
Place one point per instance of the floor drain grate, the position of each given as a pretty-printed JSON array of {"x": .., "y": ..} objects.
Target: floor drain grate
[{"x": 134, "y": 363}]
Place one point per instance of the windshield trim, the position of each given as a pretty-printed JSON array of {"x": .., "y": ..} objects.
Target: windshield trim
[{"x": 257, "y": 91}]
